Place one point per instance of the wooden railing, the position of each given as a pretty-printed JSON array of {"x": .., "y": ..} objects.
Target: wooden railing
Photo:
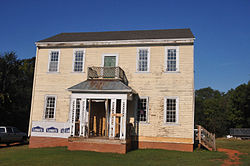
[
  {"x": 107, "y": 73},
  {"x": 206, "y": 138}
]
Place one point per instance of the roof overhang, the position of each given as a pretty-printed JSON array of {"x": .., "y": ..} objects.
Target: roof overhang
[
  {"x": 101, "y": 86},
  {"x": 101, "y": 91},
  {"x": 116, "y": 43}
]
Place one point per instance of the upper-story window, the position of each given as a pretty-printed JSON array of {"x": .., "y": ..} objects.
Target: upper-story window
[
  {"x": 78, "y": 61},
  {"x": 171, "y": 110},
  {"x": 54, "y": 61},
  {"x": 50, "y": 107},
  {"x": 143, "y": 59},
  {"x": 172, "y": 59},
  {"x": 142, "y": 109}
]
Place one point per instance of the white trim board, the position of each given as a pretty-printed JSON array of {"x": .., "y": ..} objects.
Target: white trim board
[
  {"x": 117, "y": 42},
  {"x": 99, "y": 96}
]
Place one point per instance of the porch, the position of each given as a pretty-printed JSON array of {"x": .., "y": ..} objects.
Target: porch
[{"x": 98, "y": 113}]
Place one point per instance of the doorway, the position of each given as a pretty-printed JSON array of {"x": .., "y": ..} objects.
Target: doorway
[{"x": 98, "y": 119}]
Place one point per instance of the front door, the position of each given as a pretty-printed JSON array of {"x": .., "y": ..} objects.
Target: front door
[{"x": 109, "y": 62}]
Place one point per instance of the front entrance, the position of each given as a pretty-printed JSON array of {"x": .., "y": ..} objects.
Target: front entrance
[{"x": 98, "y": 117}]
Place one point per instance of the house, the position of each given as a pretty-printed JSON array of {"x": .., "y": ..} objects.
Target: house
[{"x": 114, "y": 91}]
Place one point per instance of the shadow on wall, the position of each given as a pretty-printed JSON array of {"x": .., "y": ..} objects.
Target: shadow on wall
[{"x": 133, "y": 125}]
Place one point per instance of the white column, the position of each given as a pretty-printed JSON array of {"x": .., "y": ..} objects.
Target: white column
[
  {"x": 72, "y": 116},
  {"x": 123, "y": 119},
  {"x": 112, "y": 118},
  {"x": 85, "y": 118},
  {"x": 82, "y": 116}
]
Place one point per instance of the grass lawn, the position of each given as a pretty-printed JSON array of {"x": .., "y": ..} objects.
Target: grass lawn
[{"x": 22, "y": 155}]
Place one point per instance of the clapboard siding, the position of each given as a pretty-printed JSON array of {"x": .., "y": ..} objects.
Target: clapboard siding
[{"x": 156, "y": 84}]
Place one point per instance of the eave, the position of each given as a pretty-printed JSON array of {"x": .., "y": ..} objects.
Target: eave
[{"x": 185, "y": 41}]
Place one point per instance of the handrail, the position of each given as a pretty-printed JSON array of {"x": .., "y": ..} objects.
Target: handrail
[
  {"x": 206, "y": 138},
  {"x": 107, "y": 73}
]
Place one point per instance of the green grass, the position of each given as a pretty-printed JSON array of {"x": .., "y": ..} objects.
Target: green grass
[{"x": 22, "y": 155}]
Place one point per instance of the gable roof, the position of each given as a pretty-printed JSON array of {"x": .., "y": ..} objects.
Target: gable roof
[
  {"x": 101, "y": 86},
  {"x": 121, "y": 35}
]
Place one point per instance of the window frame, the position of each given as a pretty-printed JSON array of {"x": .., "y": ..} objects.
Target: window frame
[
  {"x": 137, "y": 59},
  {"x": 74, "y": 58},
  {"x": 177, "y": 110},
  {"x": 177, "y": 59},
  {"x": 45, "y": 106},
  {"x": 49, "y": 60},
  {"x": 147, "y": 110},
  {"x": 107, "y": 54}
]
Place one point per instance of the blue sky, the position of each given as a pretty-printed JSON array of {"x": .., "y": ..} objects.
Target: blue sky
[{"x": 221, "y": 28}]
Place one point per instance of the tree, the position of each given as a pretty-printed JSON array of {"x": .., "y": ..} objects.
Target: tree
[
  {"x": 16, "y": 77},
  {"x": 210, "y": 110},
  {"x": 218, "y": 112},
  {"x": 239, "y": 106}
]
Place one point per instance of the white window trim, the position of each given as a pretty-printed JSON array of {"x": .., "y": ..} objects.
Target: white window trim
[
  {"x": 137, "y": 60},
  {"x": 177, "y": 59},
  {"x": 116, "y": 58},
  {"x": 58, "y": 61},
  {"x": 83, "y": 61},
  {"x": 177, "y": 110},
  {"x": 147, "y": 110},
  {"x": 44, "y": 110}
]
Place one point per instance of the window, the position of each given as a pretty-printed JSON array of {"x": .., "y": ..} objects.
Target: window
[
  {"x": 142, "y": 109},
  {"x": 53, "y": 61},
  {"x": 50, "y": 107},
  {"x": 2, "y": 130},
  {"x": 172, "y": 59},
  {"x": 78, "y": 61},
  {"x": 16, "y": 130},
  {"x": 171, "y": 106},
  {"x": 143, "y": 58}
]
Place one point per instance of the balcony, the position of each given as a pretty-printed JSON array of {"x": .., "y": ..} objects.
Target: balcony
[{"x": 107, "y": 73}]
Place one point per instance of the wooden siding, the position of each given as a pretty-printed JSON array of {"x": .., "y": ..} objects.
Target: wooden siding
[{"x": 156, "y": 84}]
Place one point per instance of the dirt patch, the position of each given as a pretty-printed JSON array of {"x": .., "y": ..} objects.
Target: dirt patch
[{"x": 233, "y": 157}]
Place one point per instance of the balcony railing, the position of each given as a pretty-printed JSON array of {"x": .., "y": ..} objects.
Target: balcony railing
[{"x": 107, "y": 73}]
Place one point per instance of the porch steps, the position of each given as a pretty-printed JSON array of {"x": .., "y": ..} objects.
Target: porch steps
[
  {"x": 206, "y": 139},
  {"x": 104, "y": 140},
  {"x": 99, "y": 144}
]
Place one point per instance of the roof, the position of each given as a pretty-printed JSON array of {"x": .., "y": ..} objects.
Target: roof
[
  {"x": 100, "y": 86},
  {"x": 121, "y": 35}
]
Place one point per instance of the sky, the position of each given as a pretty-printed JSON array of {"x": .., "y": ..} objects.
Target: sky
[{"x": 221, "y": 29}]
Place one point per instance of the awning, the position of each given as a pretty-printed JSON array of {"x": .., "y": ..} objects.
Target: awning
[{"x": 101, "y": 86}]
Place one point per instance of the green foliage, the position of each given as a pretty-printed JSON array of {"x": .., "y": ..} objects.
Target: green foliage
[
  {"x": 218, "y": 112},
  {"x": 16, "y": 77}
]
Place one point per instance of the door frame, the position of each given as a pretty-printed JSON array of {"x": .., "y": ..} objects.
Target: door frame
[{"x": 116, "y": 58}]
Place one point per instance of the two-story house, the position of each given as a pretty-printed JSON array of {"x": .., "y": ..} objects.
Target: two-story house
[{"x": 113, "y": 91}]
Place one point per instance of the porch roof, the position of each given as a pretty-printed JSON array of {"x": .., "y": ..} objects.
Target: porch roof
[{"x": 101, "y": 86}]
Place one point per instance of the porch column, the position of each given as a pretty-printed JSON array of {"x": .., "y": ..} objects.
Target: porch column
[
  {"x": 123, "y": 119},
  {"x": 83, "y": 117},
  {"x": 112, "y": 118},
  {"x": 72, "y": 116}
]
